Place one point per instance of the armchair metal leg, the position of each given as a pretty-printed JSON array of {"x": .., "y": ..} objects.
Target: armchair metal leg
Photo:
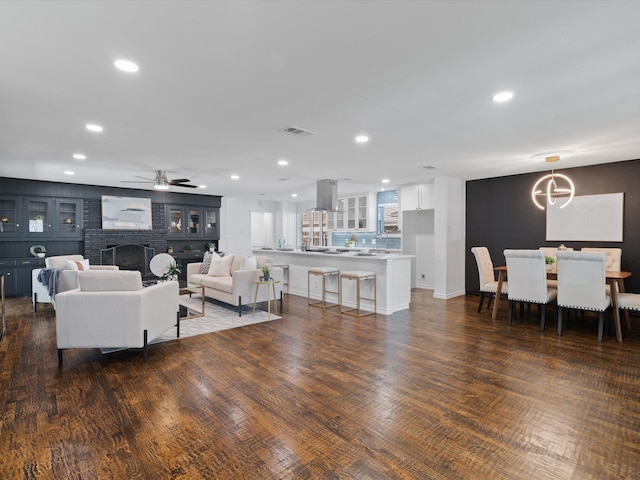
[
  {"x": 145, "y": 347},
  {"x": 281, "y": 299},
  {"x": 35, "y": 301},
  {"x": 60, "y": 358},
  {"x": 239, "y": 305},
  {"x": 178, "y": 324}
]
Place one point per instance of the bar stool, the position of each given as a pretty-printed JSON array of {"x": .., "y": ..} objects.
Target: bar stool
[
  {"x": 324, "y": 272},
  {"x": 285, "y": 276},
  {"x": 359, "y": 276}
]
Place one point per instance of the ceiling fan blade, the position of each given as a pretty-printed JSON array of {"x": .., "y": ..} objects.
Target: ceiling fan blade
[
  {"x": 146, "y": 178},
  {"x": 186, "y": 185},
  {"x": 135, "y": 181},
  {"x": 179, "y": 180}
]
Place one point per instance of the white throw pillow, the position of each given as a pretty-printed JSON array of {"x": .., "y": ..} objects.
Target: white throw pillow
[
  {"x": 220, "y": 267},
  {"x": 206, "y": 261},
  {"x": 77, "y": 265},
  {"x": 249, "y": 263}
]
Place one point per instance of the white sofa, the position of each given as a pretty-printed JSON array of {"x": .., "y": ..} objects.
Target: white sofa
[
  {"x": 67, "y": 280},
  {"x": 113, "y": 310},
  {"x": 238, "y": 288}
]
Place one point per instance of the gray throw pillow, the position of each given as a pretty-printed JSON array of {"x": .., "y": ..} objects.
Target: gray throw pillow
[{"x": 206, "y": 262}]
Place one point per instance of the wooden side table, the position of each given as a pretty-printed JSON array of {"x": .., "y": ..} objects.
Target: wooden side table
[{"x": 267, "y": 284}]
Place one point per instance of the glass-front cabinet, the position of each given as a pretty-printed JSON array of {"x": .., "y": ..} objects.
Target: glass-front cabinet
[
  {"x": 192, "y": 222},
  {"x": 351, "y": 214},
  {"x": 40, "y": 217},
  {"x": 10, "y": 217}
]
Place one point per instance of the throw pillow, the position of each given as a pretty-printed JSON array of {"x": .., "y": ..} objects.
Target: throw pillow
[
  {"x": 249, "y": 263},
  {"x": 220, "y": 267},
  {"x": 77, "y": 265},
  {"x": 206, "y": 261}
]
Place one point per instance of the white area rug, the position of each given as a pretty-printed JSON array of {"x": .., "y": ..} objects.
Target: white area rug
[{"x": 216, "y": 318}]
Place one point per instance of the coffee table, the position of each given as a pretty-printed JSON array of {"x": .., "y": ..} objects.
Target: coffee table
[{"x": 188, "y": 289}]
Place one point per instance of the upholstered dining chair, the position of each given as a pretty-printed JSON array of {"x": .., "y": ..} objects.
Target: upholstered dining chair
[
  {"x": 581, "y": 282},
  {"x": 487, "y": 276},
  {"x": 612, "y": 259},
  {"x": 527, "y": 273}
]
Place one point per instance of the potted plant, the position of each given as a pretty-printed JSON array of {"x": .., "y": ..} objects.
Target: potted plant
[
  {"x": 173, "y": 270},
  {"x": 170, "y": 249},
  {"x": 266, "y": 270},
  {"x": 211, "y": 246},
  {"x": 549, "y": 261}
]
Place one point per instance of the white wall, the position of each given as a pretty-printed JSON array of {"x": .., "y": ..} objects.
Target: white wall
[{"x": 235, "y": 223}]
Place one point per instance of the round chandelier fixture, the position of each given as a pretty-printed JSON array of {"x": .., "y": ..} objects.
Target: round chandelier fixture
[{"x": 553, "y": 187}]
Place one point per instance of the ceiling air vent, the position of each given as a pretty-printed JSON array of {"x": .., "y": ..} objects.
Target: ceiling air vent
[{"x": 297, "y": 131}]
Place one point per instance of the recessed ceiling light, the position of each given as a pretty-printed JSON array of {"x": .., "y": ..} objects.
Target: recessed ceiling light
[
  {"x": 69, "y": 172},
  {"x": 385, "y": 180},
  {"x": 283, "y": 162},
  {"x": 92, "y": 127},
  {"x": 235, "y": 177},
  {"x": 382, "y": 189},
  {"x": 362, "y": 139},
  {"x": 502, "y": 97},
  {"x": 294, "y": 194},
  {"x": 126, "y": 66},
  {"x": 79, "y": 156},
  {"x": 202, "y": 186}
]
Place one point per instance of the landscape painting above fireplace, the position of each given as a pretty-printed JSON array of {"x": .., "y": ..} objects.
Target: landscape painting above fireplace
[{"x": 126, "y": 213}]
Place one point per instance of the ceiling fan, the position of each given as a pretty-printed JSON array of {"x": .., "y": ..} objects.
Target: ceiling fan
[{"x": 161, "y": 182}]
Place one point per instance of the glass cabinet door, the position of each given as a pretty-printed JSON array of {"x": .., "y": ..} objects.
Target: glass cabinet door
[
  {"x": 194, "y": 225},
  {"x": 362, "y": 212},
  {"x": 211, "y": 224},
  {"x": 174, "y": 221},
  {"x": 351, "y": 213},
  {"x": 38, "y": 217},
  {"x": 9, "y": 217},
  {"x": 68, "y": 218}
]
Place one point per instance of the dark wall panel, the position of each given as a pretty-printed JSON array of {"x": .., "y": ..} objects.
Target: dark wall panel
[{"x": 500, "y": 214}]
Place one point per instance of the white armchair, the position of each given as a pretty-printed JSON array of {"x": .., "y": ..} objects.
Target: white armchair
[
  {"x": 114, "y": 310},
  {"x": 67, "y": 280}
]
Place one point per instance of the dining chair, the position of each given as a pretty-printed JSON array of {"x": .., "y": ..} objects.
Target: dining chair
[
  {"x": 612, "y": 259},
  {"x": 527, "y": 273},
  {"x": 486, "y": 274},
  {"x": 581, "y": 282}
]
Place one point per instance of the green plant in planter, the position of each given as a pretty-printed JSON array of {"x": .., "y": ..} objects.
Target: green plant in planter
[
  {"x": 549, "y": 260},
  {"x": 266, "y": 270},
  {"x": 211, "y": 246},
  {"x": 172, "y": 272}
]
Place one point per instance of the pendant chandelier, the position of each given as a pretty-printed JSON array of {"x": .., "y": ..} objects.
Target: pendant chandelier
[{"x": 553, "y": 187}]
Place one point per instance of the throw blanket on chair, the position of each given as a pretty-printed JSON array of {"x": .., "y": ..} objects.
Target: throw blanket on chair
[{"x": 49, "y": 278}]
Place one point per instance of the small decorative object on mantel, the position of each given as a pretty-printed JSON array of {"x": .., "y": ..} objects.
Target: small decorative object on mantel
[
  {"x": 266, "y": 271},
  {"x": 169, "y": 249},
  {"x": 4, "y": 219},
  {"x": 211, "y": 247}
]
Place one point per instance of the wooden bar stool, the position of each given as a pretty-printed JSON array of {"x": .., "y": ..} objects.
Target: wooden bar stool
[
  {"x": 359, "y": 276},
  {"x": 324, "y": 272}
]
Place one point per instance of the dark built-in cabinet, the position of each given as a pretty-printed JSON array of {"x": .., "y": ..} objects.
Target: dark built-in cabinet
[
  {"x": 40, "y": 218},
  {"x": 17, "y": 274},
  {"x": 192, "y": 222}
]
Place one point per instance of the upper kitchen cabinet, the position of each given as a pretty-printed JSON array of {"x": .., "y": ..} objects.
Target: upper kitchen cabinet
[
  {"x": 192, "y": 222},
  {"x": 352, "y": 214},
  {"x": 417, "y": 197},
  {"x": 40, "y": 217}
]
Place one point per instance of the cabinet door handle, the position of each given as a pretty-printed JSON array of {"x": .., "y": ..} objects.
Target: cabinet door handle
[{"x": 26, "y": 262}]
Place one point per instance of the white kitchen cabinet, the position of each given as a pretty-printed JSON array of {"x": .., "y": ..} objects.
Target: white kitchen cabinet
[
  {"x": 352, "y": 214},
  {"x": 417, "y": 197}
]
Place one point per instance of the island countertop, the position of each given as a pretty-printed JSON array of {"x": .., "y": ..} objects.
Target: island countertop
[{"x": 393, "y": 273}]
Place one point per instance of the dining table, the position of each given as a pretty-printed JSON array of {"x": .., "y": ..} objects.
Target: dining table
[{"x": 615, "y": 280}]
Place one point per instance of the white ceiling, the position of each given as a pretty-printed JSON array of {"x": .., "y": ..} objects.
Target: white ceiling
[{"x": 218, "y": 81}]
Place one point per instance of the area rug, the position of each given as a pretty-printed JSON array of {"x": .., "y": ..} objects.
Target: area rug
[{"x": 216, "y": 318}]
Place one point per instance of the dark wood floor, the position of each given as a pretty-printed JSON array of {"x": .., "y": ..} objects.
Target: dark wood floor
[{"x": 435, "y": 392}]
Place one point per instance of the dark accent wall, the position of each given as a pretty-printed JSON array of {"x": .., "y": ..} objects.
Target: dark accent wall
[
  {"x": 93, "y": 235},
  {"x": 500, "y": 215}
]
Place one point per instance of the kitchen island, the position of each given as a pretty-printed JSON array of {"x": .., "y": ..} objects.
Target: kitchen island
[{"x": 393, "y": 274}]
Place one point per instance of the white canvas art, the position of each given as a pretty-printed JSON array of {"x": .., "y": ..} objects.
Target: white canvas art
[{"x": 126, "y": 213}]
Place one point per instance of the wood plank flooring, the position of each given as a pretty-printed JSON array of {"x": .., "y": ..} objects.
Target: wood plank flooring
[{"x": 434, "y": 392}]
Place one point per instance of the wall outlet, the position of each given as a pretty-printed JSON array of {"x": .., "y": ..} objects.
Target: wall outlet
[{"x": 373, "y": 241}]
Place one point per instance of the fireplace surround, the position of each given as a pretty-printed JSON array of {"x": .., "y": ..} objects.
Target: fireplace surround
[{"x": 128, "y": 256}]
